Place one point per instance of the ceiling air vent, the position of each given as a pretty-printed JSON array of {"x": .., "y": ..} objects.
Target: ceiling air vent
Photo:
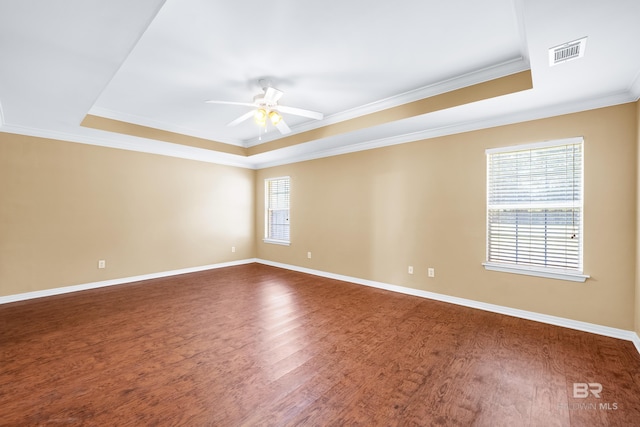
[{"x": 567, "y": 51}]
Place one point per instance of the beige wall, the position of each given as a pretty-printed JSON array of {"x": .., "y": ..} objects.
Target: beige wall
[
  {"x": 371, "y": 214},
  {"x": 637, "y": 299},
  {"x": 64, "y": 205}
]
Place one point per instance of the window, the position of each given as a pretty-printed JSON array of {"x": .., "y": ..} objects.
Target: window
[
  {"x": 276, "y": 221},
  {"x": 534, "y": 209}
]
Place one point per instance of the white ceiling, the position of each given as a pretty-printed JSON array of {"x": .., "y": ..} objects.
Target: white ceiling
[{"x": 155, "y": 62}]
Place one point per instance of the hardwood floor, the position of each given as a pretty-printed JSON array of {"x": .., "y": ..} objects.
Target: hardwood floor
[{"x": 256, "y": 345}]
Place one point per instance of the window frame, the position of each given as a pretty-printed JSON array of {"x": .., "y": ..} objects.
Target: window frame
[
  {"x": 267, "y": 208},
  {"x": 576, "y": 275}
]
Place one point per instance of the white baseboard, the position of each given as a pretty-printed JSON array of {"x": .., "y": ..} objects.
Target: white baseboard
[
  {"x": 636, "y": 341},
  {"x": 523, "y": 314},
  {"x": 86, "y": 286}
]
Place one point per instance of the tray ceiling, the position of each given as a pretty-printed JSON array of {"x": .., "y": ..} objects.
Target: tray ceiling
[{"x": 135, "y": 75}]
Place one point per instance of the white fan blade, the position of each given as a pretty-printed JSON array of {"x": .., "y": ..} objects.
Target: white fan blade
[
  {"x": 283, "y": 127},
  {"x": 272, "y": 95},
  {"x": 300, "y": 112},
  {"x": 242, "y": 118},
  {"x": 230, "y": 103}
]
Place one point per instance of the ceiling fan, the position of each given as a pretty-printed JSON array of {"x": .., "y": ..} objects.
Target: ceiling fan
[{"x": 266, "y": 107}]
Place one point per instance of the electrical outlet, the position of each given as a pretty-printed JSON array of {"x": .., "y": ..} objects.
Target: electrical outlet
[
  {"x": 102, "y": 263},
  {"x": 431, "y": 272},
  {"x": 233, "y": 248},
  {"x": 410, "y": 269},
  {"x": 309, "y": 255}
]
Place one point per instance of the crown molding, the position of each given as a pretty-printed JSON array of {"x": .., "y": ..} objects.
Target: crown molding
[
  {"x": 518, "y": 9},
  {"x": 503, "y": 120},
  {"x": 169, "y": 127},
  {"x": 130, "y": 143},
  {"x": 280, "y": 157},
  {"x": 480, "y": 76}
]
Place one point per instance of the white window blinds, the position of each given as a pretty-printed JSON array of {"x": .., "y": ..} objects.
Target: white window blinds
[
  {"x": 277, "y": 199},
  {"x": 534, "y": 205}
]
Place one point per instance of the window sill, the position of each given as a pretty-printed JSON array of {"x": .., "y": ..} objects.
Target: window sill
[
  {"x": 539, "y": 272},
  {"x": 277, "y": 242}
]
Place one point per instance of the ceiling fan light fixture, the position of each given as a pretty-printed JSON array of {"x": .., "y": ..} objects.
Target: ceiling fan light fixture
[
  {"x": 275, "y": 117},
  {"x": 260, "y": 116},
  {"x": 265, "y": 106}
]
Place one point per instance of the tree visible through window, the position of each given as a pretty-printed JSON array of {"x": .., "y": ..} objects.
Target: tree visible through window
[
  {"x": 277, "y": 198},
  {"x": 534, "y": 206}
]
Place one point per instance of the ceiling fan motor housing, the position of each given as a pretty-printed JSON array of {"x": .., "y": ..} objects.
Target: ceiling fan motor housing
[{"x": 261, "y": 101}]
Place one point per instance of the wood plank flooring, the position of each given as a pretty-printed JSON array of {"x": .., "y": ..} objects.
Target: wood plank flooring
[{"x": 255, "y": 345}]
